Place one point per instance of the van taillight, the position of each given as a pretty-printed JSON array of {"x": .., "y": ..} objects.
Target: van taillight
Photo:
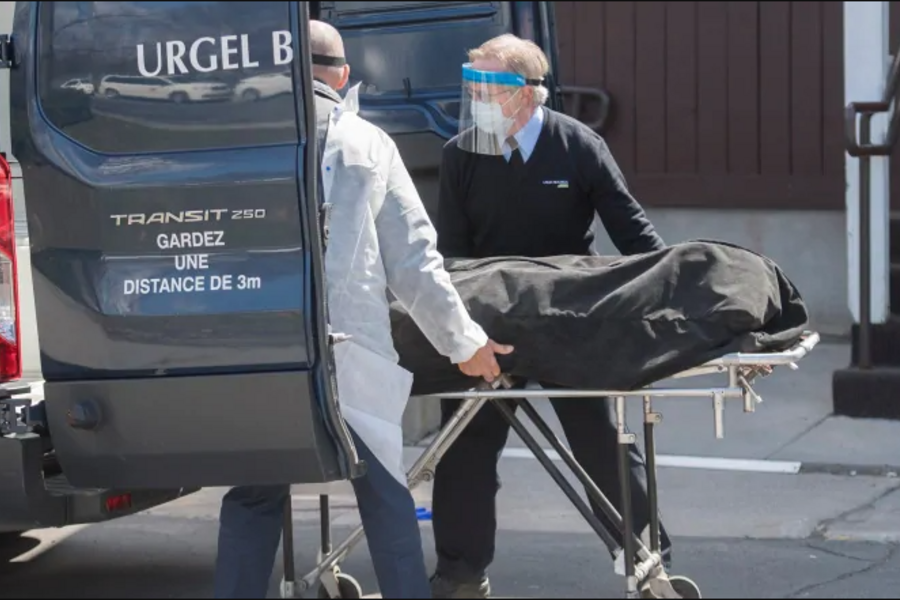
[
  {"x": 10, "y": 350},
  {"x": 120, "y": 502}
]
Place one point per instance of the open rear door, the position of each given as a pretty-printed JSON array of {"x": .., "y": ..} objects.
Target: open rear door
[
  {"x": 408, "y": 57},
  {"x": 176, "y": 251}
]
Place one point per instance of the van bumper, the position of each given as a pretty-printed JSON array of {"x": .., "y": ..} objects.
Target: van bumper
[{"x": 33, "y": 497}]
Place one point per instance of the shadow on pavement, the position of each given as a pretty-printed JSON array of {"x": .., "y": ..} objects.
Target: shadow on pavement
[
  {"x": 13, "y": 545},
  {"x": 161, "y": 557}
]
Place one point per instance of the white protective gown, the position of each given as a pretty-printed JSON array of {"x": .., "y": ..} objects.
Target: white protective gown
[{"x": 382, "y": 238}]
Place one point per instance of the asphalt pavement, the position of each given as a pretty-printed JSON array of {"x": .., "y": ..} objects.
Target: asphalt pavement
[
  {"x": 793, "y": 503},
  {"x": 739, "y": 535}
]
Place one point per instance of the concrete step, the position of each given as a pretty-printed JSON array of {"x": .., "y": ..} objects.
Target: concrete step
[
  {"x": 885, "y": 349},
  {"x": 867, "y": 393}
]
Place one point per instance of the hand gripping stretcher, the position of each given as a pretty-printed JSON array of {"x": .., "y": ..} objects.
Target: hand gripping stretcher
[{"x": 644, "y": 573}]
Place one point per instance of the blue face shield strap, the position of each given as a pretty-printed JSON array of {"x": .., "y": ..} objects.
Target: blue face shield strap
[{"x": 495, "y": 77}]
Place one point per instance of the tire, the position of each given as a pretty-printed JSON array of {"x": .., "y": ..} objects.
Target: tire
[
  {"x": 111, "y": 93},
  {"x": 682, "y": 586},
  {"x": 250, "y": 95},
  {"x": 347, "y": 588},
  {"x": 179, "y": 97},
  {"x": 686, "y": 588}
]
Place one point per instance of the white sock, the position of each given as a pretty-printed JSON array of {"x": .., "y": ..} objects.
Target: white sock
[{"x": 619, "y": 564}]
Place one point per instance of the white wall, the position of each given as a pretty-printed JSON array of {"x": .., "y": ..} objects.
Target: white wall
[{"x": 866, "y": 64}]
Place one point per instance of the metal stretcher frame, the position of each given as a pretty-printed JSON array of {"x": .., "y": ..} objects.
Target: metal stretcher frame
[{"x": 645, "y": 575}]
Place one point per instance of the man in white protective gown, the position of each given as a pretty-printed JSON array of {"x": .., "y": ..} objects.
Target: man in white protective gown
[{"x": 380, "y": 239}]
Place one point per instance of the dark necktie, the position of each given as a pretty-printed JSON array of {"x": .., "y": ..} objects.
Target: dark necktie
[{"x": 515, "y": 158}]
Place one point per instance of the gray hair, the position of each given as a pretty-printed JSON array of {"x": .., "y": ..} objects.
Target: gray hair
[{"x": 523, "y": 57}]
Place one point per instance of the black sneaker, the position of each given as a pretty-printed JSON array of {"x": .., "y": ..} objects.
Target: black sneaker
[{"x": 442, "y": 587}]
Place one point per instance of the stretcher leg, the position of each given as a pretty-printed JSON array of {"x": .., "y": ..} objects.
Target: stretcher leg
[
  {"x": 645, "y": 575},
  {"x": 287, "y": 551},
  {"x": 651, "y": 419},
  {"x": 583, "y": 478},
  {"x": 625, "y": 440},
  {"x": 658, "y": 584},
  {"x": 555, "y": 473},
  {"x": 421, "y": 471},
  {"x": 332, "y": 583},
  {"x": 325, "y": 524}
]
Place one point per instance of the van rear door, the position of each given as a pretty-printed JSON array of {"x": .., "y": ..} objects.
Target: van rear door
[
  {"x": 175, "y": 243},
  {"x": 408, "y": 57}
]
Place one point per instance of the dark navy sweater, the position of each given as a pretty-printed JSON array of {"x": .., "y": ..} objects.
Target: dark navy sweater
[{"x": 488, "y": 207}]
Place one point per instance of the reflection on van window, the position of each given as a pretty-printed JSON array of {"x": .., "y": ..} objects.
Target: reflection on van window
[
  {"x": 378, "y": 37},
  {"x": 126, "y": 77}
]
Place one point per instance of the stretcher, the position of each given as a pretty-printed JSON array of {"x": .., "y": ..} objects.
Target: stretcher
[{"x": 645, "y": 575}]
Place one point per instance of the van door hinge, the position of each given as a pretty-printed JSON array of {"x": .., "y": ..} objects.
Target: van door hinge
[
  {"x": 7, "y": 52},
  {"x": 325, "y": 216}
]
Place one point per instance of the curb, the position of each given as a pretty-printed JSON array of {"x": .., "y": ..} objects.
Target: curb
[
  {"x": 888, "y": 471},
  {"x": 712, "y": 463}
]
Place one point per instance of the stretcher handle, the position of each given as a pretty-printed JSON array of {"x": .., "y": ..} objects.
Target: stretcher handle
[
  {"x": 503, "y": 380},
  {"x": 793, "y": 355}
]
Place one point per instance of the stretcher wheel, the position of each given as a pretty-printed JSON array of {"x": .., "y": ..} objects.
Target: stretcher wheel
[
  {"x": 682, "y": 586},
  {"x": 347, "y": 588},
  {"x": 685, "y": 588}
]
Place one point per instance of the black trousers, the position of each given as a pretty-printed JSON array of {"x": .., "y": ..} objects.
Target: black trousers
[{"x": 466, "y": 480}]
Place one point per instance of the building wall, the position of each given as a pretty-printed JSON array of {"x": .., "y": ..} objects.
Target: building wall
[
  {"x": 894, "y": 37},
  {"x": 716, "y": 104},
  {"x": 726, "y": 105}
]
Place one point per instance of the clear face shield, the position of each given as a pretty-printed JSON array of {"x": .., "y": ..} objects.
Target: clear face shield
[{"x": 490, "y": 103}]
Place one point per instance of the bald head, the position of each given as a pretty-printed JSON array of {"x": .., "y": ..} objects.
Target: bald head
[{"x": 325, "y": 40}]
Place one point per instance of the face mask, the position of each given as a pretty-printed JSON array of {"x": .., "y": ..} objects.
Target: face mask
[{"x": 489, "y": 117}]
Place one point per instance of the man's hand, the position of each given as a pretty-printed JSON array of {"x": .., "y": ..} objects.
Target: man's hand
[{"x": 483, "y": 363}]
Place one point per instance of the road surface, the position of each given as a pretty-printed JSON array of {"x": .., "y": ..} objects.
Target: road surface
[{"x": 738, "y": 534}]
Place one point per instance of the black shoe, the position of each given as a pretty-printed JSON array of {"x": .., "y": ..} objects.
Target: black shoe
[{"x": 441, "y": 587}]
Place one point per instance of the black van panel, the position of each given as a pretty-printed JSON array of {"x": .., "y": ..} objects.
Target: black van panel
[
  {"x": 116, "y": 284},
  {"x": 187, "y": 388},
  {"x": 149, "y": 184},
  {"x": 401, "y": 50},
  {"x": 141, "y": 433},
  {"x": 168, "y": 262}
]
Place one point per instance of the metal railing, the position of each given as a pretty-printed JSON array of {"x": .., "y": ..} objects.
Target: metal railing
[
  {"x": 578, "y": 94},
  {"x": 861, "y": 147}
]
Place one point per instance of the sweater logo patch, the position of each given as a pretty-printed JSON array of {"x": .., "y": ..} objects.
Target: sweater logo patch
[{"x": 560, "y": 184}]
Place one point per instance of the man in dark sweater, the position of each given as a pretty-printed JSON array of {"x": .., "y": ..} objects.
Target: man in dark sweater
[{"x": 524, "y": 180}]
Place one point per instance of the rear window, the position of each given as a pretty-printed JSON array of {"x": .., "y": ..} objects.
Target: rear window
[
  {"x": 378, "y": 37},
  {"x": 134, "y": 77}
]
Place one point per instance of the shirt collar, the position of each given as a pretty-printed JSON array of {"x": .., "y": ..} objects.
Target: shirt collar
[
  {"x": 527, "y": 137},
  {"x": 348, "y": 104}
]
